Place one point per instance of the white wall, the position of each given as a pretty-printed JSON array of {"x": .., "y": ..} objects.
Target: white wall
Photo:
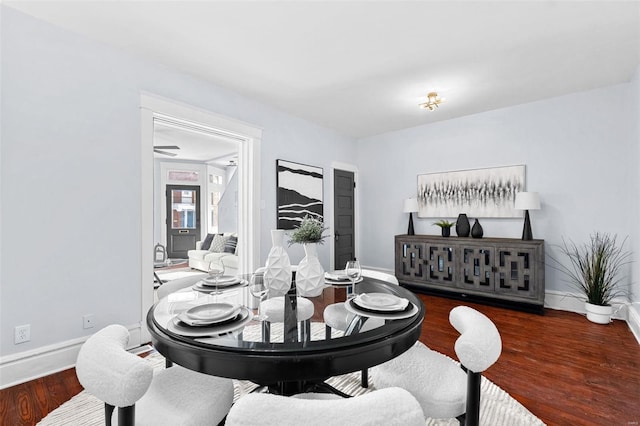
[
  {"x": 580, "y": 154},
  {"x": 212, "y": 187},
  {"x": 71, "y": 176},
  {"x": 228, "y": 206},
  {"x": 634, "y": 316}
]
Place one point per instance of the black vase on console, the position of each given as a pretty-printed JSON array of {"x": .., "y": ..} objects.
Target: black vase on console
[
  {"x": 462, "y": 225},
  {"x": 476, "y": 231}
]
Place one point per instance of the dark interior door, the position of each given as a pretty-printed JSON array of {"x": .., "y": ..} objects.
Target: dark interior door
[
  {"x": 343, "y": 219},
  {"x": 183, "y": 219}
]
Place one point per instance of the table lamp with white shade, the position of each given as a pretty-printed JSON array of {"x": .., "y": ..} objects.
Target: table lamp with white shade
[
  {"x": 411, "y": 207},
  {"x": 527, "y": 201}
]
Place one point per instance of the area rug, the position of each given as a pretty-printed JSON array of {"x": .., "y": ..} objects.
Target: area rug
[{"x": 497, "y": 408}]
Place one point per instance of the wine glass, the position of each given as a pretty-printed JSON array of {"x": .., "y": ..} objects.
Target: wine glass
[
  {"x": 258, "y": 288},
  {"x": 216, "y": 270},
  {"x": 353, "y": 271}
]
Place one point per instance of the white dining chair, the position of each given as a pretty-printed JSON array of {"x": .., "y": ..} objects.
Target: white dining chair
[
  {"x": 174, "y": 396},
  {"x": 389, "y": 407},
  {"x": 174, "y": 285},
  {"x": 274, "y": 310},
  {"x": 337, "y": 317},
  {"x": 444, "y": 388}
]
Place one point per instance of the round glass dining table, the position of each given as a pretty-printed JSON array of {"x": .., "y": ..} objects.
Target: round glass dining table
[{"x": 286, "y": 363}]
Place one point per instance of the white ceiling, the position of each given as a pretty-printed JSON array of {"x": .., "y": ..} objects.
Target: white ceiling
[
  {"x": 194, "y": 145},
  {"x": 361, "y": 68}
]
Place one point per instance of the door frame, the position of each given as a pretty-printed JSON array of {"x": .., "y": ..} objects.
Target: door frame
[
  {"x": 249, "y": 137},
  {"x": 356, "y": 208}
]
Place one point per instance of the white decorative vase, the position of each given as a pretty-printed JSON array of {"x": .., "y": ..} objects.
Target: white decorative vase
[
  {"x": 310, "y": 274},
  {"x": 598, "y": 314},
  {"x": 277, "y": 274}
]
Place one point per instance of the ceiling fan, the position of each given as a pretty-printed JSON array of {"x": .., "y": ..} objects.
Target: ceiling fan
[{"x": 160, "y": 150}]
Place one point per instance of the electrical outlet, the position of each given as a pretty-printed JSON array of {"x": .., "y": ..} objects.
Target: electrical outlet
[
  {"x": 88, "y": 321},
  {"x": 22, "y": 334}
]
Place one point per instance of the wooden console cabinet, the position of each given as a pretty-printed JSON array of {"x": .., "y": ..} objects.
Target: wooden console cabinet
[{"x": 502, "y": 271}]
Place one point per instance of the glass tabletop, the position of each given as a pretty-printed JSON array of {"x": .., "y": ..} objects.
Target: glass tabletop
[{"x": 247, "y": 334}]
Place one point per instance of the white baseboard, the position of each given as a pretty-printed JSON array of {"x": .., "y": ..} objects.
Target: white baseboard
[
  {"x": 573, "y": 302},
  {"x": 375, "y": 268},
  {"x": 633, "y": 319},
  {"x": 30, "y": 365},
  {"x": 563, "y": 301}
]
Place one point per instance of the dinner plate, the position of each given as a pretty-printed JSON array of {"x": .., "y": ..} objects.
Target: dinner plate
[
  {"x": 225, "y": 281},
  {"x": 210, "y": 289},
  {"x": 177, "y": 327},
  {"x": 382, "y": 302},
  {"x": 339, "y": 283},
  {"x": 203, "y": 323},
  {"x": 213, "y": 312},
  {"x": 408, "y": 312}
]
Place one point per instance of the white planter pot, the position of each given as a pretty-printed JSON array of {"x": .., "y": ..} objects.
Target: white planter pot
[
  {"x": 277, "y": 274},
  {"x": 599, "y": 314},
  {"x": 310, "y": 274}
]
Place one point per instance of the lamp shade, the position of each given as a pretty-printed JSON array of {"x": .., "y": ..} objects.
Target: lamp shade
[
  {"x": 410, "y": 205},
  {"x": 527, "y": 201}
]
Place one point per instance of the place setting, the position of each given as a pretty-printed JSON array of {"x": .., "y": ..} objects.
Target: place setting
[
  {"x": 381, "y": 305},
  {"x": 210, "y": 319},
  {"x": 215, "y": 281},
  {"x": 339, "y": 278}
]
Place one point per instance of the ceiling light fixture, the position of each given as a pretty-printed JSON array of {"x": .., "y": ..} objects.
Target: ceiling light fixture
[{"x": 433, "y": 101}]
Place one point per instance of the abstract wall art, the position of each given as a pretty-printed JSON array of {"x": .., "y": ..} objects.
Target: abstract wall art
[
  {"x": 299, "y": 193},
  {"x": 488, "y": 192}
]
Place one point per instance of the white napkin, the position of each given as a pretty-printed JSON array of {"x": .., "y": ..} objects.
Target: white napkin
[{"x": 336, "y": 276}]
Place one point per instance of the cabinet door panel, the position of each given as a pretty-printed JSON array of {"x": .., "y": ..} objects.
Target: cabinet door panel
[
  {"x": 477, "y": 268},
  {"x": 441, "y": 261},
  {"x": 410, "y": 263},
  {"x": 515, "y": 272}
]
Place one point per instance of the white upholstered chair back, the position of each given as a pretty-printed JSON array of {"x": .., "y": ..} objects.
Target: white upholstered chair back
[
  {"x": 379, "y": 275},
  {"x": 175, "y": 285},
  {"x": 109, "y": 372},
  {"x": 479, "y": 345},
  {"x": 169, "y": 397},
  {"x": 389, "y": 407}
]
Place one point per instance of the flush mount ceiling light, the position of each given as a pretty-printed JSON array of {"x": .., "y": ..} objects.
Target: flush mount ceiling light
[{"x": 433, "y": 101}]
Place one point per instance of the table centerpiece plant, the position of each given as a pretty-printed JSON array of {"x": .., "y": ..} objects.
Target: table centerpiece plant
[
  {"x": 595, "y": 269},
  {"x": 310, "y": 274},
  {"x": 309, "y": 231}
]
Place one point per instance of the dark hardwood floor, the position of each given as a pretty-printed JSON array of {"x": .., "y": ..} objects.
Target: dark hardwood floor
[{"x": 564, "y": 369}]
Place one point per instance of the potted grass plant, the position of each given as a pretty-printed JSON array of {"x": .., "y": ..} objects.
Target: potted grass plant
[
  {"x": 595, "y": 269},
  {"x": 445, "y": 227}
]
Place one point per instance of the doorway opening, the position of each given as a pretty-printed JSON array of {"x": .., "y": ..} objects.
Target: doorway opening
[
  {"x": 199, "y": 164},
  {"x": 248, "y": 139},
  {"x": 344, "y": 217},
  {"x": 343, "y": 214}
]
